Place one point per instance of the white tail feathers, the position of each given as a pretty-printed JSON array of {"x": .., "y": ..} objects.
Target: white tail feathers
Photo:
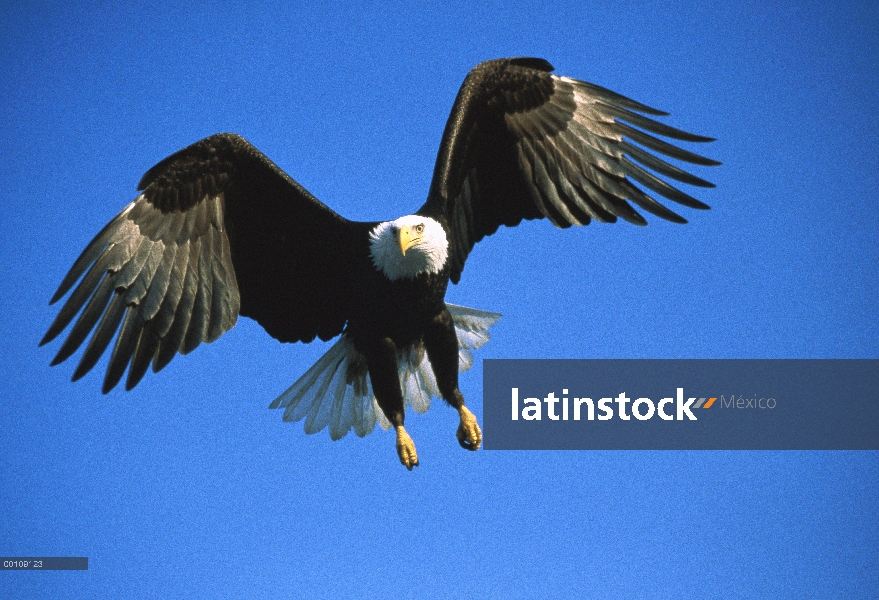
[{"x": 336, "y": 390}]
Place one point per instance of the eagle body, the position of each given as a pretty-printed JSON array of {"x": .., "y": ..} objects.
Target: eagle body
[
  {"x": 398, "y": 310},
  {"x": 403, "y": 314},
  {"x": 219, "y": 230}
]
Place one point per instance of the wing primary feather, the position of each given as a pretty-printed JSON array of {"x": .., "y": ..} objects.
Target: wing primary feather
[
  {"x": 650, "y": 205},
  {"x": 563, "y": 97},
  {"x": 660, "y": 166},
  {"x": 126, "y": 343},
  {"x": 231, "y": 281},
  {"x": 597, "y": 203},
  {"x": 573, "y": 182},
  {"x": 609, "y": 182},
  {"x": 150, "y": 221},
  {"x": 163, "y": 231},
  {"x": 544, "y": 186},
  {"x": 176, "y": 278},
  {"x": 664, "y": 147},
  {"x": 660, "y": 187},
  {"x": 594, "y": 136},
  {"x": 187, "y": 305},
  {"x": 139, "y": 207},
  {"x": 86, "y": 321},
  {"x": 189, "y": 224},
  {"x": 222, "y": 316},
  {"x": 102, "y": 336},
  {"x": 176, "y": 223},
  {"x": 158, "y": 286},
  {"x": 203, "y": 221},
  {"x": 217, "y": 208},
  {"x": 125, "y": 276},
  {"x": 655, "y": 126},
  {"x": 91, "y": 253},
  {"x": 83, "y": 292},
  {"x": 554, "y": 117},
  {"x": 562, "y": 217},
  {"x": 567, "y": 198},
  {"x": 201, "y": 310},
  {"x": 613, "y": 204},
  {"x": 172, "y": 341},
  {"x": 615, "y": 98},
  {"x": 147, "y": 346},
  {"x": 138, "y": 288}
]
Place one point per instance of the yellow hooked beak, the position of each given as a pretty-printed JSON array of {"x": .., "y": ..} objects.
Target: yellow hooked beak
[{"x": 407, "y": 238}]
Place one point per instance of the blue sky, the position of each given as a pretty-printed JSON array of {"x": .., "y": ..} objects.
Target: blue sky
[{"x": 189, "y": 487}]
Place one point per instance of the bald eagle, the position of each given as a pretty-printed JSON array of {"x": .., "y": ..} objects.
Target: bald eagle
[{"x": 219, "y": 230}]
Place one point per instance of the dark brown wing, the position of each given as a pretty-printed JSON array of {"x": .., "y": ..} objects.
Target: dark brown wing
[
  {"x": 521, "y": 143},
  {"x": 218, "y": 230}
]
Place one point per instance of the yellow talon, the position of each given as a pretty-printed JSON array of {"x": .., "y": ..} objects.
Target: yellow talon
[
  {"x": 469, "y": 435},
  {"x": 406, "y": 448}
]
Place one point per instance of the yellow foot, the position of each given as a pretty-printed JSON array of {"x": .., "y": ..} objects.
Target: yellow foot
[
  {"x": 469, "y": 435},
  {"x": 406, "y": 449}
]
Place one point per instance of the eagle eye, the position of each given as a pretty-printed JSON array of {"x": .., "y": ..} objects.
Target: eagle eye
[{"x": 419, "y": 228}]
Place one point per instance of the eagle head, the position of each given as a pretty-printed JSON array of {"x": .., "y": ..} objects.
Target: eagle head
[{"x": 409, "y": 246}]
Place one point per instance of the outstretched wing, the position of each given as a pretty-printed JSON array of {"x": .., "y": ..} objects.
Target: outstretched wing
[
  {"x": 218, "y": 230},
  {"x": 521, "y": 143}
]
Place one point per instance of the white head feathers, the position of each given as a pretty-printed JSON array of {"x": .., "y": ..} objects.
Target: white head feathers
[{"x": 425, "y": 253}]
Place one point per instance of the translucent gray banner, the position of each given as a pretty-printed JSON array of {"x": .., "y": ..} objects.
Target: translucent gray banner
[
  {"x": 681, "y": 404},
  {"x": 44, "y": 563}
]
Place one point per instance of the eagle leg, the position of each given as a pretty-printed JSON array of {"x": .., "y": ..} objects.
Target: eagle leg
[
  {"x": 441, "y": 343},
  {"x": 381, "y": 362}
]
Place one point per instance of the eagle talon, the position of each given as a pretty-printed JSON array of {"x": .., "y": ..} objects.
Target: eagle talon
[
  {"x": 406, "y": 449},
  {"x": 469, "y": 435}
]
